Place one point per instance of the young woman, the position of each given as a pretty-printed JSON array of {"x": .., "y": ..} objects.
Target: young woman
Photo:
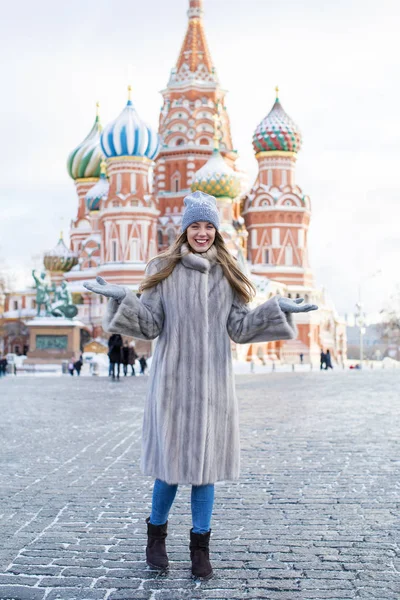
[{"x": 195, "y": 299}]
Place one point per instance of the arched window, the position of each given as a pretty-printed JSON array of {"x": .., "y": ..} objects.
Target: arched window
[
  {"x": 176, "y": 182},
  {"x": 180, "y": 142},
  {"x": 160, "y": 240},
  {"x": 171, "y": 236},
  {"x": 204, "y": 142}
]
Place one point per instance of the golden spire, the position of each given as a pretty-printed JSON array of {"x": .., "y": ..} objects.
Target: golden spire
[
  {"x": 103, "y": 167},
  {"x": 97, "y": 108},
  {"x": 277, "y": 92},
  {"x": 61, "y": 235},
  {"x": 217, "y": 126},
  {"x": 129, "y": 93}
]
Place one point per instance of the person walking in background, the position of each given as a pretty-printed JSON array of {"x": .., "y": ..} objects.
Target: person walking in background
[
  {"x": 132, "y": 357},
  {"x": 195, "y": 300},
  {"x": 115, "y": 354},
  {"x": 71, "y": 367},
  {"x": 322, "y": 360},
  {"x": 143, "y": 365},
  {"x": 301, "y": 358},
  {"x": 3, "y": 366},
  {"x": 125, "y": 357},
  {"x": 328, "y": 360},
  {"x": 78, "y": 365}
]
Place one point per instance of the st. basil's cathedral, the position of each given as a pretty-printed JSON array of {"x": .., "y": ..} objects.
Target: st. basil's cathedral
[{"x": 131, "y": 180}]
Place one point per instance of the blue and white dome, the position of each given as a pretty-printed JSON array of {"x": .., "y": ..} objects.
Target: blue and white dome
[
  {"x": 99, "y": 191},
  {"x": 128, "y": 135}
]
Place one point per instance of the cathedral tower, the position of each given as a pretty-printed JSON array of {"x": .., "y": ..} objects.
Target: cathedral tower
[
  {"x": 276, "y": 212},
  {"x": 83, "y": 166},
  {"x": 128, "y": 214},
  {"x": 192, "y": 98}
]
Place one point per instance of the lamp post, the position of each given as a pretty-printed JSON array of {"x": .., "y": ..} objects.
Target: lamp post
[{"x": 360, "y": 315}]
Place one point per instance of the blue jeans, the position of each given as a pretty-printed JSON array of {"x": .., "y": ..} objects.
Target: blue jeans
[{"x": 202, "y": 501}]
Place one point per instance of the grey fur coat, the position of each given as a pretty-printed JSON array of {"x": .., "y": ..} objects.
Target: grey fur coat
[{"x": 191, "y": 427}]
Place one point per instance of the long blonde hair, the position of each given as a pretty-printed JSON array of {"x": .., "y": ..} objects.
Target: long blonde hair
[{"x": 168, "y": 260}]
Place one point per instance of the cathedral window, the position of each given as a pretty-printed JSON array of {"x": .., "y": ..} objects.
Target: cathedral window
[
  {"x": 180, "y": 142},
  {"x": 114, "y": 250},
  {"x": 160, "y": 239},
  {"x": 171, "y": 236},
  {"x": 15, "y": 304},
  {"x": 204, "y": 142},
  {"x": 266, "y": 257},
  {"x": 176, "y": 182}
]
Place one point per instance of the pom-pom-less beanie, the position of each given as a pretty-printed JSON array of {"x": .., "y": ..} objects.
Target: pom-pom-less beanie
[{"x": 200, "y": 207}]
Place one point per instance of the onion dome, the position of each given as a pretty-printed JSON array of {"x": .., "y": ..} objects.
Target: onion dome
[
  {"x": 217, "y": 178},
  {"x": 85, "y": 160},
  {"x": 277, "y": 132},
  {"x": 128, "y": 135},
  {"x": 99, "y": 191},
  {"x": 60, "y": 258}
]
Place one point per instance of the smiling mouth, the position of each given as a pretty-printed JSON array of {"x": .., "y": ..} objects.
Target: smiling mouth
[{"x": 201, "y": 242}]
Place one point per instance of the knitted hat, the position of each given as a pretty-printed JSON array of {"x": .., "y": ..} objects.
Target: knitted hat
[{"x": 200, "y": 207}]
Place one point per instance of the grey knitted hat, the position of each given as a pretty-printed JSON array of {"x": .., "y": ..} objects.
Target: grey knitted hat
[{"x": 200, "y": 207}]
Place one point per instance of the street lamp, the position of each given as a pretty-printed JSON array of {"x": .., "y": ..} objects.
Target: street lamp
[{"x": 360, "y": 315}]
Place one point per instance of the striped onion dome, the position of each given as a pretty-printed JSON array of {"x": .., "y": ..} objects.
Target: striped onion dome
[
  {"x": 217, "y": 178},
  {"x": 84, "y": 160},
  {"x": 99, "y": 191},
  {"x": 128, "y": 135},
  {"x": 277, "y": 132},
  {"x": 60, "y": 258}
]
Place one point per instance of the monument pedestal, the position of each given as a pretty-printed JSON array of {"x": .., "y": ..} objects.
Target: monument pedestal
[{"x": 53, "y": 340}]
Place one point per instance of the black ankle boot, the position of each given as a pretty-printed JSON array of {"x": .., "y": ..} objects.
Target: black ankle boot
[
  {"x": 199, "y": 555},
  {"x": 156, "y": 554}
]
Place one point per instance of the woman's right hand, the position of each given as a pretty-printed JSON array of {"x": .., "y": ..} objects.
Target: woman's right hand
[{"x": 110, "y": 290}]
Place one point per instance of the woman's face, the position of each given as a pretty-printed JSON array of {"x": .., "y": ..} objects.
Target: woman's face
[{"x": 200, "y": 235}]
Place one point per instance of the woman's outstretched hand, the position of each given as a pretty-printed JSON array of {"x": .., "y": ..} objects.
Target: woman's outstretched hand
[
  {"x": 295, "y": 306},
  {"x": 110, "y": 290}
]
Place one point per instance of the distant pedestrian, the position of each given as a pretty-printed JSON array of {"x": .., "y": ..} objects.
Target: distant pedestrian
[
  {"x": 78, "y": 366},
  {"x": 322, "y": 360},
  {"x": 132, "y": 357},
  {"x": 195, "y": 300},
  {"x": 115, "y": 353},
  {"x": 143, "y": 365},
  {"x": 71, "y": 367},
  {"x": 3, "y": 366},
  {"x": 301, "y": 358},
  {"x": 328, "y": 360}
]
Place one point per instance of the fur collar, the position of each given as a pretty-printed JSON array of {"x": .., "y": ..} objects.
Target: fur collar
[{"x": 200, "y": 261}]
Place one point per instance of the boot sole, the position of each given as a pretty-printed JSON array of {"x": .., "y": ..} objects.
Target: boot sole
[
  {"x": 206, "y": 578},
  {"x": 157, "y": 567}
]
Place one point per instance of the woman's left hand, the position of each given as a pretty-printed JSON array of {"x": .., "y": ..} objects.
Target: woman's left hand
[{"x": 295, "y": 306}]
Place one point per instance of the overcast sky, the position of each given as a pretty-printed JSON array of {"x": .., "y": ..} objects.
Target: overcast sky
[{"x": 337, "y": 66}]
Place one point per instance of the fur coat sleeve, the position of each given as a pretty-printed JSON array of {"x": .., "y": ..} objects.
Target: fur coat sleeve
[
  {"x": 140, "y": 318},
  {"x": 265, "y": 323}
]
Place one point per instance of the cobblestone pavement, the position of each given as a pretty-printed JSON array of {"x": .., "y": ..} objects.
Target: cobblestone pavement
[{"x": 315, "y": 514}]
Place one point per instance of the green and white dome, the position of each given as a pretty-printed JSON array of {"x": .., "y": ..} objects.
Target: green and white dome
[{"x": 84, "y": 161}]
